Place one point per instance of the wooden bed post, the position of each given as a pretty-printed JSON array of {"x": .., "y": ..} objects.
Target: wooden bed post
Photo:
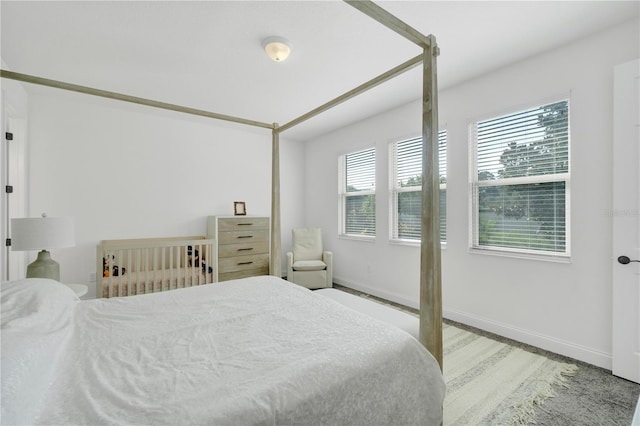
[
  {"x": 430, "y": 274},
  {"x": 275, "y": 267},
  {"x": 430, "y": 265}
]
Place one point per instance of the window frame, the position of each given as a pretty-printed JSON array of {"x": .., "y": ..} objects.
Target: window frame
[
  {"x": 475, "y": 185},
  {"x": 395, "y": 190},
  {"x": 343, "y": 195}
]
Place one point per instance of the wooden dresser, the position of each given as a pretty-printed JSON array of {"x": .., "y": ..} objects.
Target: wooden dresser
[{"x": 242, "y": 244}]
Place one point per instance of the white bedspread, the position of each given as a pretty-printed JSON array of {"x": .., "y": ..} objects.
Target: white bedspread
[{"x": 252, "y": 351}]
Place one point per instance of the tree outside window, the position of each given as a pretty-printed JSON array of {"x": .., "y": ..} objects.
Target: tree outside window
[
  {"x": 521, "y": 191},
  {"x": 357, "y": 193},
  {"x": 406, "y": 188}
]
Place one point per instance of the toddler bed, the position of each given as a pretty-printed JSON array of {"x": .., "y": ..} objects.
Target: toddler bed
[
  {"x": 257, "y": 350},
  {"x": 150, "y": 265}
]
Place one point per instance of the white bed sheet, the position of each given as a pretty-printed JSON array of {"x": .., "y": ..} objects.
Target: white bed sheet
[
  {"x": 253, "y": 351},
  {"x": 402, "y": 320}
]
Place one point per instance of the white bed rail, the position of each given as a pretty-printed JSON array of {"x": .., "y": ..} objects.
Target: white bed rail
[{"x": 150, "y": 265}]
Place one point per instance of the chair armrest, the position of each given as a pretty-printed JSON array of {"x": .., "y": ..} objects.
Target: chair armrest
[
  {"x": 327, "y": 258},
  {"x": 289, "y": 265}
]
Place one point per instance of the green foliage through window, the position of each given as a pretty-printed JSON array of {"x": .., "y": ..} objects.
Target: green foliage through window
[
  {"x": 358, "y": 197},
  {"x": 522, "y": 166},
  {"x": 407, "y": 187}
]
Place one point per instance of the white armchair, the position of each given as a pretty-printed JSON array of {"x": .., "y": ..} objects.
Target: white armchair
[{"x": 308, "y": 264}]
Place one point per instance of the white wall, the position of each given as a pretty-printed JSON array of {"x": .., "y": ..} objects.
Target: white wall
[
  {"x": 562, "y": 307},
  {"x": 134, "y": 172}
]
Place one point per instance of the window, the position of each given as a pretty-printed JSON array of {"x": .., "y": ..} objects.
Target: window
[
  {"x": 358, "y": 193},
  {"x": 520, "y": 181},
  {"x": 406, "y": 188}
]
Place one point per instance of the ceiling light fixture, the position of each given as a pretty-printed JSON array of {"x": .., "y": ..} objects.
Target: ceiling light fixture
[{"x": 277, "y": 48}]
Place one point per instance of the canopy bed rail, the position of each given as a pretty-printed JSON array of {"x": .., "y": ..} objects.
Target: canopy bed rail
[
  {"x": 151, "y": 265},
  {"x": 430, "y": 270}
]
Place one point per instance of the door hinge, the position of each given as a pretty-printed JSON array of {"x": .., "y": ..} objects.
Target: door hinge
[
  {"x": 8, "y": 189},
  {"x": 8, "y": 136},
  {"x": 7, "y": 242}
]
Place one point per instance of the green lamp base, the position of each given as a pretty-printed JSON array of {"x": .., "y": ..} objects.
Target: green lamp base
[{"x": 44, "y": 267}]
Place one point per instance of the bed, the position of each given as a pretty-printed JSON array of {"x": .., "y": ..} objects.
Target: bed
[
  {"x": 150, "y": 265},
  {"x": 258, "y": 350},
  {"x": 430, "y": 250}
]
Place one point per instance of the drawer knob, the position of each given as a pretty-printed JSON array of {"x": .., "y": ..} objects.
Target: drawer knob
[
  {"x": 245, "y": 263},
  {"x": 245, "y": 249},
  {"x": 245, "y": 224},
  {"x": 245, "y": 236}
]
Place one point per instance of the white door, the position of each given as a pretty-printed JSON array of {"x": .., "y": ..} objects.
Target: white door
[{"x": 626, "y": 222}]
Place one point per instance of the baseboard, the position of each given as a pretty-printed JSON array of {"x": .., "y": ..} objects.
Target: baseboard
[
  {"x": 548, "y": 343},
  {"x": 551, "y": 344}
]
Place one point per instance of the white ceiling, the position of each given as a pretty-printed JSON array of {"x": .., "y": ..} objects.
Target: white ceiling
[{"x": 208, "y": 55}]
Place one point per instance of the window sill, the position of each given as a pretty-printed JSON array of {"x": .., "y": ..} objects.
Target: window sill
[
  {"x": 365, "y": 239},
  {"x": 557, "y": 258},
  {"x": 413, "y": 243}
]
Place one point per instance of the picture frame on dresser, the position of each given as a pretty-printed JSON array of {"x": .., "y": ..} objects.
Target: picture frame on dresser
[{"x": 239, "y": 208}]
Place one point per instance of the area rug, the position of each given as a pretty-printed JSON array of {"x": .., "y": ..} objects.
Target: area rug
[
  {"x": 494, "y": 383},
  {"x": 491, "y": 382}
]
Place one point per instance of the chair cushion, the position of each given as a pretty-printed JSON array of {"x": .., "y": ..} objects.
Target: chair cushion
[
  {"x": 307, "y": 244},
  {"x": 309, "y": 265}
]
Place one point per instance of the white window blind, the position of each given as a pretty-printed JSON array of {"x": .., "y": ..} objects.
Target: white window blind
[
  {"x": 406, "y": 188},
  {"x": 520, "y": 181},
  {"x": 358, "y": 193}
]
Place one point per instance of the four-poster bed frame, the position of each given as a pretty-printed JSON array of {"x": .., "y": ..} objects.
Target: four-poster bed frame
[{"x": 430, "y": 269}]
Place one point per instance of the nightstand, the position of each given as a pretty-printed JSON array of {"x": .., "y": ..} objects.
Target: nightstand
[{"x": 79, "y": 289}]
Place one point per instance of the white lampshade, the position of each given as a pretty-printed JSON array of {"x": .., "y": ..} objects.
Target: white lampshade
[
  {"x": 277, "y": 48},
  {"x": 42, "y": 233}
]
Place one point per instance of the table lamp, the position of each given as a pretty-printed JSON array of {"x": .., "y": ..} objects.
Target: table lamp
[{"x": 42, "y": 233}]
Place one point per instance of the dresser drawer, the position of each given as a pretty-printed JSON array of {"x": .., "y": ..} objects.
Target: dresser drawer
[
  {"x": 243, "y": 249},
  {"x": 244, "y": 236},
  {"x": 243, "y": 224},
  {"x": 243, "y": 263}
]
